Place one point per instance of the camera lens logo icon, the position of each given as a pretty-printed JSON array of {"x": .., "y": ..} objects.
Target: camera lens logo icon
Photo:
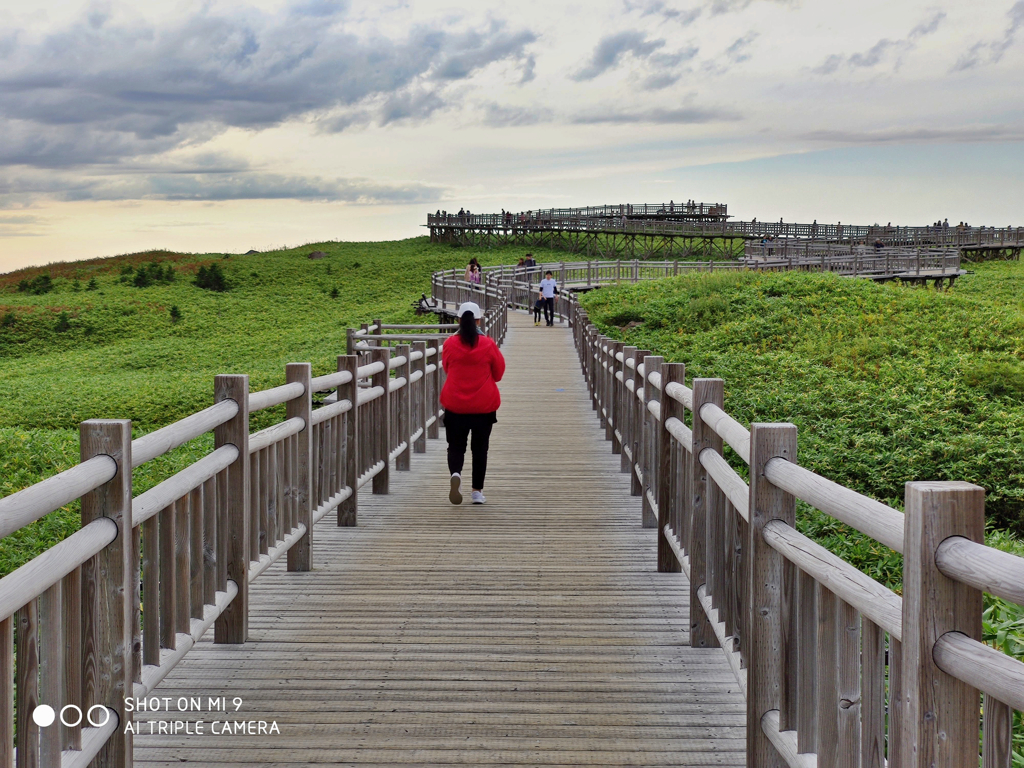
[{"x": 44, "y": 715}]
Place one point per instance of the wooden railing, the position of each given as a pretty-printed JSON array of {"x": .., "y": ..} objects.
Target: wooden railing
[
  {"x": 712, "y": 222},
  {"x": 517, "y": 286},
  {"x": 670, "y": 209},
  {"x": 109, "y": 611},
  {"x": 837, "y": 669}
]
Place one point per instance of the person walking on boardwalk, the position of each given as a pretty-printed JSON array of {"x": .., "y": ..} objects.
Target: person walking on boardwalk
[
  {"x": 473, "y": 365},
  {"x": 548, "y": 289},
  {"x": 538, "y": 307}
]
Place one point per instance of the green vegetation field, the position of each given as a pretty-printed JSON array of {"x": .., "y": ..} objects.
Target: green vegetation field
[{"x": 886, "y": 383}]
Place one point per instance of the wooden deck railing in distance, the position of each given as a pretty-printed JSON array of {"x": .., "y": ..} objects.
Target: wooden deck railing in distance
[
  {"x": 711, "y": 220},
  {"x": 837, "y": 669}
]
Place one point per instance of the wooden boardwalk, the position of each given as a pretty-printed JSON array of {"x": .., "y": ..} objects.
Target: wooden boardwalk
[{"x": 534, "y": 630}]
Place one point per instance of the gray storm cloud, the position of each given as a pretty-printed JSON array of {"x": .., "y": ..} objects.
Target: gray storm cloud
[{"x": 106, "y": 92}]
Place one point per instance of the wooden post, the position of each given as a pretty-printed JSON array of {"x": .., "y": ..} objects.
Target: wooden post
[
  {"x": 232, "y": 626},
  {"x": 670, "y": 408},
  {"x": 704, "y": 391},
  {"x": 651, "y": 444},
  {"x": 764, "y": 624},
  {"x": 404, "y": 408},
  {"x": 348, "y": 508},
  {"x": 382, "y": 429},
  {"x": 624, "y": 412},
  {"x": 998, "y": 732},
  {"x": 107, "y": 587},
  {"x": 300, "y": 485},
  {"x": 419, "y": 397},
  {"x": 434, "y": 392},
  {"x": 940, "y": 726},
  {"x": 611, "y": 395},
  {"x": 638, "y": 419}
]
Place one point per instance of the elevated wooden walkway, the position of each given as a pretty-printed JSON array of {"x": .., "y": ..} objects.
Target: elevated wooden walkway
[{"x": 534, "y": 630}]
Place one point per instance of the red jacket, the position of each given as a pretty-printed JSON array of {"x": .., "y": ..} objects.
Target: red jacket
[{"x": 472, "y": 373}]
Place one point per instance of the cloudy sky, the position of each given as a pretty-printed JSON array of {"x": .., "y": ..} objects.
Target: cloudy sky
[{"x": 223, "y": 125}]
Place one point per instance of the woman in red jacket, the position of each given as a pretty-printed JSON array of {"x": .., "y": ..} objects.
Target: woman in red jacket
[{"x": 473, "y": 365}]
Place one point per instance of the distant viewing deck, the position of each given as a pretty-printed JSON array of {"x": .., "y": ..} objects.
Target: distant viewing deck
[{"x": 696, "y": 229}]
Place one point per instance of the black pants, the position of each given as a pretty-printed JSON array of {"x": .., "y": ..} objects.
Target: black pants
[
  {"x": 549, "y": 311},
  {"x": 457, "y": 429},
  {"x": 537, "y": 306}
]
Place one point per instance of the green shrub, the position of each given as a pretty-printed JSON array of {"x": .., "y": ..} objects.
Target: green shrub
[
  {"x": 152, "y": 274},
  {"x": 175, "y": 313},
  {"x": 37, "y": 286},
  {"x": 63, "y": 323},
  {"x": 8, "y": 320},
  {"x": 93, "y": 284},
  {"x": 212, "y": 278},
  {"x": 335, "y": 293},
  {"x": 997, "y": 377}
]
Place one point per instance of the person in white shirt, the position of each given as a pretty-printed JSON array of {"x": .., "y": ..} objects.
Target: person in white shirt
[{"x": 548, "y": 289}]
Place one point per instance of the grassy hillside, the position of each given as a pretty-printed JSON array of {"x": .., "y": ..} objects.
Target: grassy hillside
[
  {"x": 81, "y": 341},
  {"x": 886, "y": 383}
]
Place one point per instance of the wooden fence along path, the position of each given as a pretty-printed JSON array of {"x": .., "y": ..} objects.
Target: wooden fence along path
[
  {"x": 529, "y": 630},
  {"x": 649, "y": 604}
]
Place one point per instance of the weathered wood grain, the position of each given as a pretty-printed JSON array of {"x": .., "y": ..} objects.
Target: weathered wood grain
[
  {"x": 941, "y": 713},
  {"x": 108, "y": 579}
]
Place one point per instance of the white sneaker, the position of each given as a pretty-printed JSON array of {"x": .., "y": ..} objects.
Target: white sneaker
[
  {"x": 478, "y": 497},
  {"x": 455, "y": 494}
]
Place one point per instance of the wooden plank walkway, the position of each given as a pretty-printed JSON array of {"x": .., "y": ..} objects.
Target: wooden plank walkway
[{"x": 533, "y": 630}]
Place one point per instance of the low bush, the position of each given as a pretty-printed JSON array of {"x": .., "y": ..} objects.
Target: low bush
[{"x": 212, "y": 278}]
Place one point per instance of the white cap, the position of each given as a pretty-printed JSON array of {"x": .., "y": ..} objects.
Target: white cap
[{"x": 470, "y": 306}]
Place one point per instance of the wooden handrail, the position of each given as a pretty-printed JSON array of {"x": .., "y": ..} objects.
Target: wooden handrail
[
  {"x": 166, "y": 439},
  {"x": 881, "y": 605},
  {"x": 268, "y": 398},
  {"x": 840, "y": 644},
  {"x": 29, "y": 504},
  {"x": 984, "y": 668},
  {"x": 159, "y": 497},
  {"x": 43, "y": 571},
  {"x": 879, "y": 521},
  {"x": 990, "y": 570}
]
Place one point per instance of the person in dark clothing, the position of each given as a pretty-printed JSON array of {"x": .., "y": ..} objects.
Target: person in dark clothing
[{"x": 473, "y": 365}]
